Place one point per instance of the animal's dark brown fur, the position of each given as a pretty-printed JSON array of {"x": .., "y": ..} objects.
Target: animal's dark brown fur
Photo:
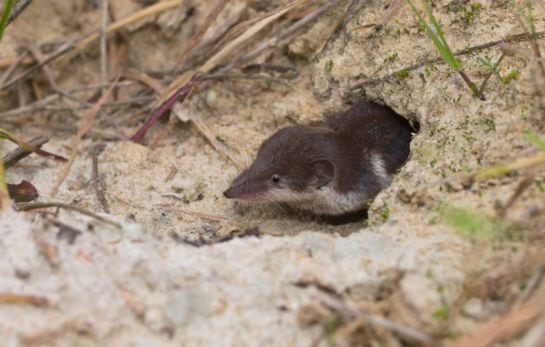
[{"x": 330, "y": 169}]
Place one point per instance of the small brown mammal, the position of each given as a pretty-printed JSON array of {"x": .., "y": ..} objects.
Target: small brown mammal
[{"x": 332, "y": 169}]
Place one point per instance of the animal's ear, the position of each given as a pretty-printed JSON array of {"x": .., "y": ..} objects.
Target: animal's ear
[{"x": 323, "y": 173}]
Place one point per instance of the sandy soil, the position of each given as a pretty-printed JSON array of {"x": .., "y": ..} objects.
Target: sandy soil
[{"x": 147, "y": 284}]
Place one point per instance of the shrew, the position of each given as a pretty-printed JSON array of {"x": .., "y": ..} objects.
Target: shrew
[{"x": 333, "y": 169}]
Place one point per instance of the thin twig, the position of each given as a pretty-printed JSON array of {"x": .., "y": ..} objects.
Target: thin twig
[
  {"x": 66, "y": 47},
  {"x": 100, "y": 86},
  {"x": 208, "y": 134},
  {"x": 511, "y": 324},
  {"x": 200, "y": 215},
  {"x": 393, "y": 75},
  {"x": 471, "y": 85},
  {"x": 98, "y": 183},
  {"x": 87, "y": 40},
  {"x": 104, "y": 6},
  {"x": 40, "y": 58},
  {"x": 19, "y": 153},
  {"x": 521, "y": 188},
  {"x": 530, "y": 287},
  {"x": 36, "y": 105},
  {"x": 351, "y": 311},
  {"x": 492, "y": 72},
  {"x": 142, "y": 100},
  {"x": 134, "y": 17},
  {"x": 159, "y": 112},
  {"x": 204, "y": 242},
  {"x": 284, "y": 34},
  {"x": 12, "y": 68},
  {"x": 349, "y": 12},
  {"x": 28, "y": 206}
]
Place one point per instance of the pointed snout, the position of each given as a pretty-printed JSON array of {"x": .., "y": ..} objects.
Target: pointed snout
[
  {"x": 244, "y": 191},
  {"x": 235, "y": 191},
  {"x": 229, "y": 193}
]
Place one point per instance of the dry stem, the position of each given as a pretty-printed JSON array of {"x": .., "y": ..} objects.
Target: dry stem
[
  {"x": 85, "y": 126},
  {"x": 24, "y": 206}
]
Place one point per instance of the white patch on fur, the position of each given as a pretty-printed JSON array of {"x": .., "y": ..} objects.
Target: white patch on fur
[
  {"x": 379, "y": 169},
  {"x": 322, "y": 201},
  {"x": 327, "y": 200}
]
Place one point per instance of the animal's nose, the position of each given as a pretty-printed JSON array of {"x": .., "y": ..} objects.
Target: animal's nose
[{"x": 228, "y": 193}]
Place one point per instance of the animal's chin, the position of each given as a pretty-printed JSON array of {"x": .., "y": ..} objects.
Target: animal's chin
[
  {"x": 250, "y": 199},
  {"x": 273, "y": 196}
]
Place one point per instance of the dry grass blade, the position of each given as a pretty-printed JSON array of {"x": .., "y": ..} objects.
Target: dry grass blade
[
  {"x": 136, "y": 305},
  {"x": 183, "y": 85},
  {"x": 38, "y": 104},
  {"x": 22, "y": 299},
  {"x": 234, "y": 44},
  {"x": 12, "y": 68},
  {"x": 535, "y": 336},
  {"x": 86, "y": 41},
  {"x": 209, "y": 135},
  {"x": 28, "y": 206},
  {"x": 9, "y": 61},
  {"x": 28, "y": 147},
  {"x": 510, "y": 325},
  {"x": 504, "y": 169},
  {"x": 145, "y": 79},
  {"x": 104, "y": 12},
  {"x": 275, "y": 40},
  {"x": 203, "y": 28},
  {"x": 17, "y": 9},
  {"x": 254, "y": 29},
  {"x": 49, "y": 335},
  {"x": 58, "y": 52},
  {"x": 135, "y": 17},
  {"x": 85, "y": 126},
  {"x": 40, "y": 58},
  {"x": 349, "y": 12}
]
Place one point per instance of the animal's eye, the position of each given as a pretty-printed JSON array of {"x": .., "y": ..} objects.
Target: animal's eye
[{"x": 275, "y": 178}]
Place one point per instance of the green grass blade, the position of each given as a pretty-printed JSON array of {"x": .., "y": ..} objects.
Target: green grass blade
[
  {"x": 5, "y": 17},
  {"x": 4, "y": 196},
  {"x": 526, "y": 15},
  {"x": 439, "y": 42},
  {"x": 471, "y": 223},
  {"x": 536, "y": 140},
  {"x": 495, "y": 69},
  {"x": 447, "y": 53},
  {"x": 434, "y": 22}
]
